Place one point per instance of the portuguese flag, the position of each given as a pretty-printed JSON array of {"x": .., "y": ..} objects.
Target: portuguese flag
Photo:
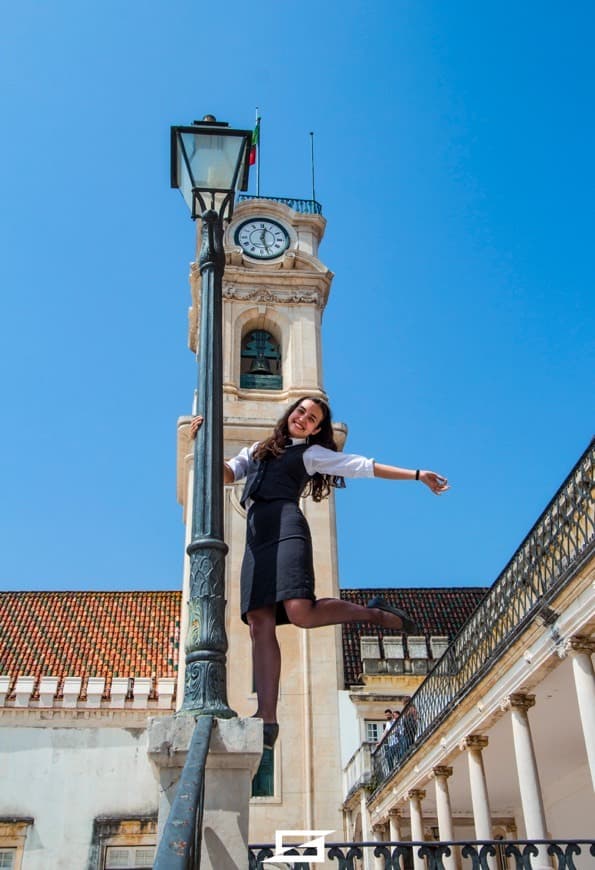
[{"x": 254, "y": 143}]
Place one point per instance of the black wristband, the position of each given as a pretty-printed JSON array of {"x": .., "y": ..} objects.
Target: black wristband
[{"x": 417, "y": 474}]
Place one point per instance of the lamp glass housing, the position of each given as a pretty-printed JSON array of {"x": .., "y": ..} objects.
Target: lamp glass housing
[{"x": 209, "y": 163}]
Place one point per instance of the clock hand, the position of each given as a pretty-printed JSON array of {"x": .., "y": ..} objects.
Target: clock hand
[{"x": 263, "y": 240}]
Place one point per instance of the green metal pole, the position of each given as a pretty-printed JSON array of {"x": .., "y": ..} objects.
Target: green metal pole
[{"x": 205, "y": 690}]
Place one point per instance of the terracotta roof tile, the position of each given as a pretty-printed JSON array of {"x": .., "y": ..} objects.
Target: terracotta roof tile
[
  {"x": 136, "y": 634},
  {"x": 437, "y": 612},
  {"x": 89, "y": 634}
]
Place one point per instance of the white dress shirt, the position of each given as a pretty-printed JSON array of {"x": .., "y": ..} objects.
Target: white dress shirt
[{"x": 316, "y": 459}]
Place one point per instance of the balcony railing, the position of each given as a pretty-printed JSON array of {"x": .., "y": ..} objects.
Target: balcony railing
[
  {"x": 474, "y": 855},
  {"x": 303, "y": 206},
  {"x": 559, "y": 543},
  {"x": 358, "y": 769}
]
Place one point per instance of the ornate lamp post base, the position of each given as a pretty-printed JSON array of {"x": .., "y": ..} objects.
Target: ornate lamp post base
[{"x": 205, "y": 690}]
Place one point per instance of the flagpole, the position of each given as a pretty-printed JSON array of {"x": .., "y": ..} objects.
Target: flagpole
[
  {"x": 312, "y": 161},
  {"x": 258, "y": 155}
]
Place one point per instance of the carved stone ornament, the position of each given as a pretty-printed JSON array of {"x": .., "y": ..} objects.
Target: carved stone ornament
[
  {"x": 579, "y": 644},
  {"x": 442, "y": 770},
  {"x": 518, "y": 701},
  {"x": 273, "y": 297},
  {"x": 474, "y": 741}
]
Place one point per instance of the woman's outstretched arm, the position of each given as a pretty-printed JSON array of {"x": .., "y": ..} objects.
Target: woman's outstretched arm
[
  {"x": 433, "y": 481},
  {"x": 194, "y": 427},
  {"x": 324, "y": 461}
]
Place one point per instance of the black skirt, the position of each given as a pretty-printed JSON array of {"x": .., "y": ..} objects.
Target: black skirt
[{"x": 277, "y": 562}]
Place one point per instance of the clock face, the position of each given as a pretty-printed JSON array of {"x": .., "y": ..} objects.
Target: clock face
[{"x": 262, "y": 238}]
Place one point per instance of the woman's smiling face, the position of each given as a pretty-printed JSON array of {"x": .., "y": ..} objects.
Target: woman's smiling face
[{"x": 305, "y": 420}]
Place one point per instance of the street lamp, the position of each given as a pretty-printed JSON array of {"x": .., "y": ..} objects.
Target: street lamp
[{"x": 209, "y": 163}]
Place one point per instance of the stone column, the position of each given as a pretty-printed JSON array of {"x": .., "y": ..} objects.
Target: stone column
[
  {"x": 530, "y": 788},
  {"x": 366, "y": 830},
  {"x": 379, "y": 832},
  {"x": 394, "y": 823},
  {"x": 395, "y": 832},
  {"x": 473, "y": 745},
  {"x": 348, "y": 826},
  {"x": 234, "y": 755},
  {"x": 581, "y": 649},
  {"x": 444, "y": 813},
  {"x": 416, "y": 796}
]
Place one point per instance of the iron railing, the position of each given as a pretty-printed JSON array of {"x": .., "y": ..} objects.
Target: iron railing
[
  {"x": 473, "y": 855},
  {"x": 303, "y": 206},
  {"x": 559, "y": 543},
  {"x": 180, "y": 845}
]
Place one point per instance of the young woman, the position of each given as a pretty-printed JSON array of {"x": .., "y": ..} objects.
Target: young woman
[{"x": 277, "y": 578}]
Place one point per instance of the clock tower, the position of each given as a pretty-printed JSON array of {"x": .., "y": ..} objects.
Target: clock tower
[{"x": 275, "y": 289}]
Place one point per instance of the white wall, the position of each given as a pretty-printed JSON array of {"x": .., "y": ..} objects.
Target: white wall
[
  {"x": 64, "y": 778},
  {"x": 349, "y": 727},
  {"x": 570, "y": 812}
]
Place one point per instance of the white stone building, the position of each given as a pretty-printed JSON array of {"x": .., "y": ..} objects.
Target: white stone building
[
  {"x": 82, "y": 673},
  {"x": 502, "y": 743}
]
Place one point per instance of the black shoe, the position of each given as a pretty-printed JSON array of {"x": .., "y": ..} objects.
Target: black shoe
[
  {"x": 409, "y": 626},
  {"x": 270, "y": 732}
]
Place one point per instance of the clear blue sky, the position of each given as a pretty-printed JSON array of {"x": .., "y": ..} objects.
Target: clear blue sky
[{"x": 455, "y": 147}]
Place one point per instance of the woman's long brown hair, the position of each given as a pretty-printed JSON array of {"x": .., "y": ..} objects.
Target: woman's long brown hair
[{"x": 320, "y": 485}]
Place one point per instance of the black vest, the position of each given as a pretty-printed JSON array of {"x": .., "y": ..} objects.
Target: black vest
[{"x": 277, "y": 477}]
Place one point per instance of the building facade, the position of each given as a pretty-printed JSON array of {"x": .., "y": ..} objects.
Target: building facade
[
  {"x": 498, "y": 742},
  {"x": 496, "y": 695}
]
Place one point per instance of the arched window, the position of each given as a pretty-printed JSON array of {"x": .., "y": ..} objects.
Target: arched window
[{"x": 260, "y": 362}]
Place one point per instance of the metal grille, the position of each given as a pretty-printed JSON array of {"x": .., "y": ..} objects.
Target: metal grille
[
  {"x": 473, "y": 855},
  {"x": 303, "y": 206},
  {"x": 558, "y": 544}
]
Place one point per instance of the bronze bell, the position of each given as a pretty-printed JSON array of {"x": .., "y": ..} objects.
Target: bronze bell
[{"x": 260, "y": 366}]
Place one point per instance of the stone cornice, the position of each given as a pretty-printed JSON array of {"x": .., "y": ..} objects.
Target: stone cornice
[
  {"x": 304, "y": 268},
  {"x": 292, "y": 262},
  {"x": 377, "y": 697},
  {"x": 106, "y": 717}
]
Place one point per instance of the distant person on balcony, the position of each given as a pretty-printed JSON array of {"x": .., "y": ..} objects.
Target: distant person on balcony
[
  {"x": 299, "y": 458},
  {"x": 392, "y": 735},
  {"x": 388, "y": 716},
  {"x": 409, "y": 722}
]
